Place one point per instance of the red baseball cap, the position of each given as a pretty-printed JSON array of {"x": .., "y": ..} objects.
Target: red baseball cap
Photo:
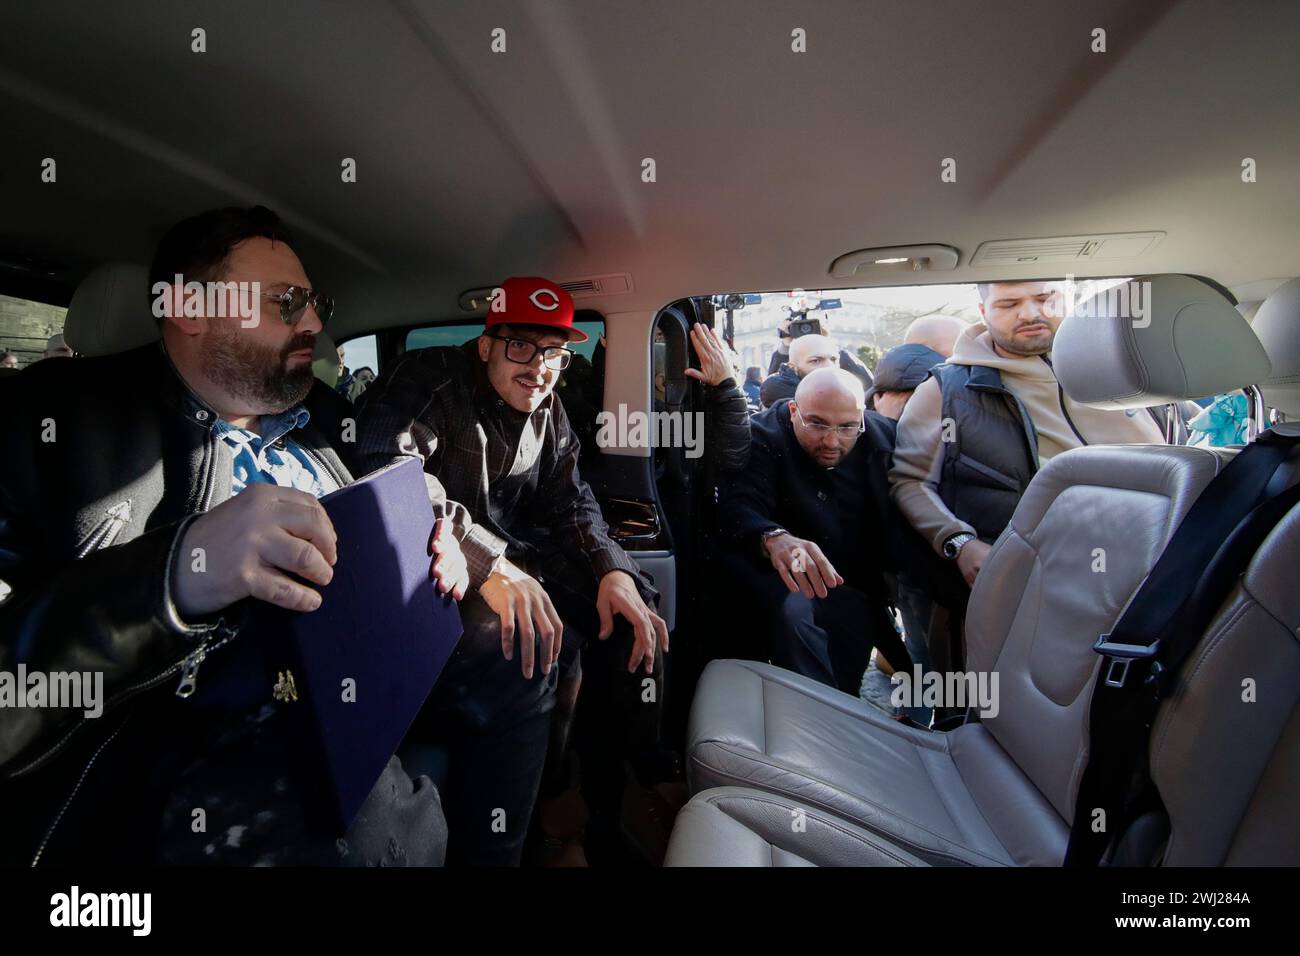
[{"x": 532, "y": 300}]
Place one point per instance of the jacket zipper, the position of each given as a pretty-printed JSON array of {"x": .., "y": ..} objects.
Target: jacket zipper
[
  {"x": 1060, "y": 399},
  {"x": 1068, "y": 420},
  {"x": 211, "y": 483},
  {"x": 188, "y": 667},
  {"x": 71, "y": 796},
  {"x": 106, "y": 532}
]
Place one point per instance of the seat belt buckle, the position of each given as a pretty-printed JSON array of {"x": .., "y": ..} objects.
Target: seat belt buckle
[{"x": 1120, "y": 656}]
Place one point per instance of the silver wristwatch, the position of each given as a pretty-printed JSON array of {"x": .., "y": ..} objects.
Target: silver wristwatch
[
  {"x": 952, "y": 547},
  {"x": 763, "y": 537}
]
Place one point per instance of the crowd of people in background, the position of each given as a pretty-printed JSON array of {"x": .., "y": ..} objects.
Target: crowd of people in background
[
  {"x": 864, "y": 508},
  {"x": 55, "y": 347}
]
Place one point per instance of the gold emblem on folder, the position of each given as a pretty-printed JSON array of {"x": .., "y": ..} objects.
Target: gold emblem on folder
[{"x": 285, "y": 689}]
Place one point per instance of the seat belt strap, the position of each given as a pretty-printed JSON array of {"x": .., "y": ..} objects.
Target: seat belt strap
[{"x": 1166, "y": 618}]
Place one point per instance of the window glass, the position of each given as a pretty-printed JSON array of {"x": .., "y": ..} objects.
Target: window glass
[
  {"x": 434, "y": 336},
  {"x": 360, "y": 354},
  {"x": 26, "y": 328}
]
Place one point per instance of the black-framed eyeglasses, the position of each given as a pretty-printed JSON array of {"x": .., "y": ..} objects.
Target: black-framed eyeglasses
[
  {"x": 556, "y": 357},
  {"x": 841, "y": 431},
  {"x": 294, "y": 301}
]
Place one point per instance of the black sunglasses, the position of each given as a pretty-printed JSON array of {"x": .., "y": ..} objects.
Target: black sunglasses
[{"x": 294, "y": 301}]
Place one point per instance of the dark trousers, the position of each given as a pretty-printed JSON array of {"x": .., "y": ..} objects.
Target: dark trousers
[
  {"x": 618, "y": 715},
  {"x": 915, "y": 606},
  {"x": 828, "y": 639},
  {"x": 494, "y": 725}
]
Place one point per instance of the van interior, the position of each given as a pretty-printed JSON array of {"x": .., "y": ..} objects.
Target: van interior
[{"x": 680, "y": 163}]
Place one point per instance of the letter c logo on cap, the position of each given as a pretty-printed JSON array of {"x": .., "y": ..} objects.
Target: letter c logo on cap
[{"x": 555, "y": 300}]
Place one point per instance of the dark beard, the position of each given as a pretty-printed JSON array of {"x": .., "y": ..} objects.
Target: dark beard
[
  {"x": 1010, "y": 346},
  {"x": 255, "y": 374}
]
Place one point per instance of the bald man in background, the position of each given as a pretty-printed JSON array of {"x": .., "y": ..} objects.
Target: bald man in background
[
  {"x": 938, "y": 332},
  {"x": 56, "y": 347},
  {"x": 807, "y": 523},
  {"x": 807, "y": 353}
]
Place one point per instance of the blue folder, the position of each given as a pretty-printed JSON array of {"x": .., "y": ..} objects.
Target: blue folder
[{"x": 383, "y": 626}]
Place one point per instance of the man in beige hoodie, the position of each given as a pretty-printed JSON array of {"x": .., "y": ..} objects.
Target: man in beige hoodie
[{"x": 974, "y": 434}]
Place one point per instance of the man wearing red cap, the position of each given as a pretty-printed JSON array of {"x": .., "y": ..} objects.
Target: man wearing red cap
[{"x": 536, "y": 564}]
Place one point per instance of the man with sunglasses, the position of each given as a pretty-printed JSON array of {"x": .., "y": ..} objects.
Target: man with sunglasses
[
  {"x": 148, "y": 500},
  {"x": 809, "y": 526},
  {"x": 543, "y": 574}
]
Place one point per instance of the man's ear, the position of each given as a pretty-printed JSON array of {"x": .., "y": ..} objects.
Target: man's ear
[
  {"x": 484, "y": 347},
  {"x": 174, "y": 300},
  {"x": 982, "y": 315}
]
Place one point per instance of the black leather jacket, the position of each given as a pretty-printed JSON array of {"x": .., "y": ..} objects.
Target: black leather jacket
[
  {"x": 726, "y": 427},
  {"x": 103, "y": 462}
]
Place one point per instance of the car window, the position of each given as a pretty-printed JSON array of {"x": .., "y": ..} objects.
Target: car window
[
  {"x": 361, "y": 353},
  {"x": 26, "y": 327},
  {"x": 433, "y": 336}
]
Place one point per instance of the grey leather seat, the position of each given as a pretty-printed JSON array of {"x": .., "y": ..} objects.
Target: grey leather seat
[
  {"x": 1002, "y": 790},
  {"x": 1238, "y": 709},
  {"x": 1277, "y": 324},
  {"x": 732, "y": 826},
  {"x": 109, "y": 311}
]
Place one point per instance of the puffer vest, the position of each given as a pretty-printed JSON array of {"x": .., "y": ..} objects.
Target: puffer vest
[{"x": 990, "y": 450}]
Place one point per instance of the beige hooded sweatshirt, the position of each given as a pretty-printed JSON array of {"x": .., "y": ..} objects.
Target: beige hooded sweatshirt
[{"x": 918, "y": 453}]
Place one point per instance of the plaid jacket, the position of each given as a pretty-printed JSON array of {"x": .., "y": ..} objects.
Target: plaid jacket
[{"x": 507, "y": 479}]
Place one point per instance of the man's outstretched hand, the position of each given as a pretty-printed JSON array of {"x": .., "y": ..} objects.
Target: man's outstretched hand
[
  {"x": 802, "y": 565},
  {"x": 524, "y": 607},
  {"x": 618, "y": 595}
]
